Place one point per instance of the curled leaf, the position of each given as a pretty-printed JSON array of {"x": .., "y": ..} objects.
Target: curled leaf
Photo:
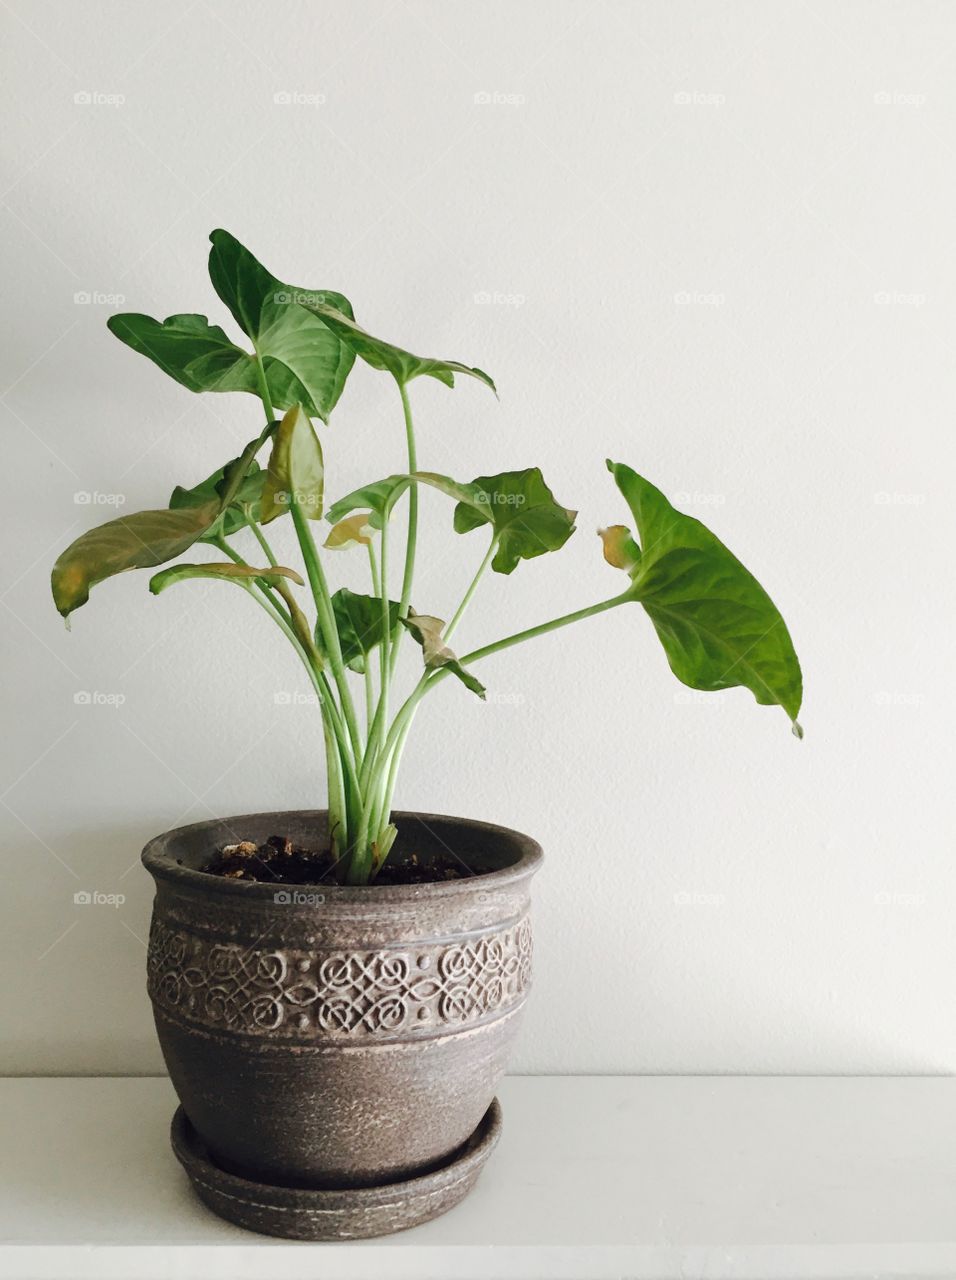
[
  {"x": 620, "y": 549},
  {"x": 354, "y": 531},
  {"x": 428, "y": 632},
  {"x": 296, "y": 469},
  {"x": 137, "y": 541},
  {"x": 227, "y": 571}
]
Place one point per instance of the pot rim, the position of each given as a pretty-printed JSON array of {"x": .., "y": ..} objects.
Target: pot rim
[{"x": 158, "y": 858}]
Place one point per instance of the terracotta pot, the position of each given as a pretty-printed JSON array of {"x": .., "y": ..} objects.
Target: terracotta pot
[{"x": 327, "y": 1037}]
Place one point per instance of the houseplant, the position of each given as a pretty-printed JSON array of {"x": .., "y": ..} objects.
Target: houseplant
[{"x": 336, "y": 1044}]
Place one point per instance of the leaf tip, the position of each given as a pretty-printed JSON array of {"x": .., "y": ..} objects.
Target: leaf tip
[{"x": 796, "y": 728}]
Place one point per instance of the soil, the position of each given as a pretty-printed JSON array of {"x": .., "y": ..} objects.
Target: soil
[{"x": 278, "y": 861}]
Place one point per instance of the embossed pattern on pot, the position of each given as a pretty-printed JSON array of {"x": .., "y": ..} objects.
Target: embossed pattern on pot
[{"x": 353, "y": 994}]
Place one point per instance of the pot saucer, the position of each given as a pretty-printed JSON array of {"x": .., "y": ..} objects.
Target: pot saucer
[{"x": 328, "y": 1214}]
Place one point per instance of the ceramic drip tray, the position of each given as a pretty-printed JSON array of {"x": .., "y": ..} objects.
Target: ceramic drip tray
[{"x": 329, "y": 1214}]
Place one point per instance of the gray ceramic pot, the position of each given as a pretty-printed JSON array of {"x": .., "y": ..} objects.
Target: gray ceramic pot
[{"x": 334, "y": 1037}]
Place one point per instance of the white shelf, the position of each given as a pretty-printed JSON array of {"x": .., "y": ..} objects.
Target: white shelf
[{"x": 594, "y": 1178}]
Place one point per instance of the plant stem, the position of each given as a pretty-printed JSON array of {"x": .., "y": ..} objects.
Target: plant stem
[
  {"x": 471, "y": 589},
  {"x": 410, "y": 545},
  {"x": 260, "y": 537},
  {"x": 330, "y": 635}
]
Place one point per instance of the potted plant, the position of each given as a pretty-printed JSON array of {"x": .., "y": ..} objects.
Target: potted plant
[{"x": 336, "y": 991}]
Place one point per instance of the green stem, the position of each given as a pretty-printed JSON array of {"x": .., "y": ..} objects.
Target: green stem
[
  {"x": 330, "y": 635},
  {"x": 410, "y": 545},
  {"x": 260, "y": 537},
  {"x": 466, "y": 598}
]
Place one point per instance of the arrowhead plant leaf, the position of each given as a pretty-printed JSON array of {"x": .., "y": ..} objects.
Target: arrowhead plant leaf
[
  {"x": 304, "y": 362},
  {"x": 228, "y": 572},
  {"x": 522, "y": 511},
  {"x": 384, "y": 356},
  {"x": 381, "y": 496},
  {"x": 428, "y": 632},
  {"x": 296, "y": 469},
  {"x": 352, "y": 531},
  {"x": 718, "y": 626},
  {"x": 137, "y": 541},
  {"x": 359, "y": 621}
]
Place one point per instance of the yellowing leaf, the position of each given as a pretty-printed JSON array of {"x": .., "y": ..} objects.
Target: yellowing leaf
[
  {"x": 353, "y": 531},
  {"x": 428, "y": 632}
]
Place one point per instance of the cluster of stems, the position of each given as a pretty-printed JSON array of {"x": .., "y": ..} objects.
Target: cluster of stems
[{"x": 363, "y": 754}]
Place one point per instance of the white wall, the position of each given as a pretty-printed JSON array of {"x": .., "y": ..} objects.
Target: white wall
[{"x": 717, "y": 896}]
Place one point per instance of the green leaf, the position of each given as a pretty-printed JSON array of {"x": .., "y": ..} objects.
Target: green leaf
[
  {"x": 248, "y": 498},
  {"x": 428, "y": 632},
  {"x": 359, "y": 622},
  {"x": 137, "y": 541},
  {"x": 196, "y": 353},
  {"x": 296, "y": 469},
  {"x": 521, "y": 509},
  {"x": 228, "y": 571},
  {"x": 402, "y": 365},
  {"x": 718, "y": 626},
  {"x": 304, "y": 360},
  {"x": 381, "y": 496}
]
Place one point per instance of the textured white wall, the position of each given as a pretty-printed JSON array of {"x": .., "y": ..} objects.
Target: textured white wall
[{"x": 720, "y": 237}]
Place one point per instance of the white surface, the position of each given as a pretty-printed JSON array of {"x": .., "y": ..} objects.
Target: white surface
[
  {"x": 593, "y": 1178},
  {"x": 774, "y": 906}
]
